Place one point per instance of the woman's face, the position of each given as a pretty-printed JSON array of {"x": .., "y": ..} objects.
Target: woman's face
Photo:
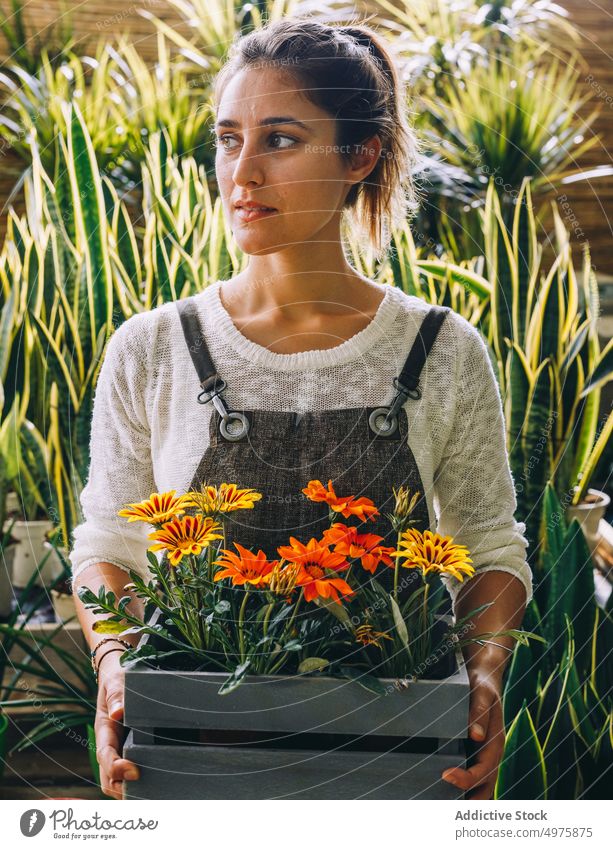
[{"x": 293, "y": 167}]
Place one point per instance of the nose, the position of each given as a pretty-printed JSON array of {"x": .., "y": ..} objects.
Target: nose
[{"x": 248, "y": 166}]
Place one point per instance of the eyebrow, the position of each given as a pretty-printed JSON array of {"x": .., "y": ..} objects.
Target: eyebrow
[{"x": 266, "y": 122}]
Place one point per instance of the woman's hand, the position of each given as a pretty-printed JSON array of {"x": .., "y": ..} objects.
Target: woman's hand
[
  {"x": 109, "y": 727},
  {"x": 485, "y": 726},
  {"x": 503, "y": 597}
]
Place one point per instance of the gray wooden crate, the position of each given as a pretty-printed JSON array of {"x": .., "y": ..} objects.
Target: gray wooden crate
[{"x": 278, "y": 737}]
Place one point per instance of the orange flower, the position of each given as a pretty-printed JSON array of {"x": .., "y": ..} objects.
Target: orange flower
[
  {"x": 434, "y": 553},
  {"x": 363, "y": 508},
  {"x": 246, "y": 568},
  {"x": 366, "y": 635},
  {"x": 187, "y": 535},
  {"x": 314, "y": 559},
  {"x": 157, "y": 509},
  {"x": 346, "y": 540}
]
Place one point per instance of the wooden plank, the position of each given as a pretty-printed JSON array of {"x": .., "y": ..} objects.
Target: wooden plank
[
  {"x": 155, "y": 698},
  {"x": 209, "y": 772}
]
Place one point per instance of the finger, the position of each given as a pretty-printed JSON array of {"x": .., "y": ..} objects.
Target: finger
[
  {"x": 468, "y": 779},
  {"x": 114, "y": 700},
  {"x": 473, "y": 777},
  {"x": 481, "y": 699},
  {"x": 112, "y": 789},
  {"x": 124, "y": 770}
]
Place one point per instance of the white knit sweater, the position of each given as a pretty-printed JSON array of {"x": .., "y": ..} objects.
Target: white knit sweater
[{"x": 149, "y": 433}]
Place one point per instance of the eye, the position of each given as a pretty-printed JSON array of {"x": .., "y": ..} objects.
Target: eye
[{"x": 219, "y": 141}]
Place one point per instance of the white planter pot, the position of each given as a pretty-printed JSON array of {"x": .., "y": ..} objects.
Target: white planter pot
[
  {"x": 12, "y": 503},
  {"x": 6, "y": 579},
  {"x": 589, "y": 513},
  {"x": 30, "y": 551},
  {"x": 63, "y": 606}
]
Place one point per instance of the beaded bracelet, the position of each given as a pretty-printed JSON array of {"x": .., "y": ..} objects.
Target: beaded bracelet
[{"x": 97, "y": 646}]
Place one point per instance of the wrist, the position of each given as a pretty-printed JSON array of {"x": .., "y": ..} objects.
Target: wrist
[
  {"x": 116, "y": 652},
  {"x": 487, "y": 661},
  {"x": 101, "y": 649}
]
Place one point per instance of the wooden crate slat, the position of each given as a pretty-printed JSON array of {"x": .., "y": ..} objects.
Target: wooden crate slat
[
  {"x": 187, "y": 772},
  {"x": 296, "y": 704}
]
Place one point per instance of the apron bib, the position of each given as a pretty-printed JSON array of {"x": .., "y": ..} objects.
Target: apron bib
[{"x": 363, "y": 450}]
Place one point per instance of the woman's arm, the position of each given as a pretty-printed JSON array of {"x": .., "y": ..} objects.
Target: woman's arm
[
  {"x": 110, "y": 705},
  {"x": 485, "y": 666}
]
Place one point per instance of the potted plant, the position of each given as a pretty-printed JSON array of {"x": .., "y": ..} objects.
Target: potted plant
[
  {"x": 269, "y": 654},
  {"x": 46, "y": 677}
]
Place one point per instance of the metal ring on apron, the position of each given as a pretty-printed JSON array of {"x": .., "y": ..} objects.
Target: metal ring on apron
[
  {"x": 234, "y": 436},
  {"x": 374, "y": 421}
]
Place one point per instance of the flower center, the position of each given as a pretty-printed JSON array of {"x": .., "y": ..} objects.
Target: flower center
[{"x": 315, "y": 571}]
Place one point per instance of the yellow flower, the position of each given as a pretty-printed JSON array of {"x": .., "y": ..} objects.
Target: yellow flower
[
  {"x": 188, "y": 535},
  {"x": 283, "y": 579},
  {"x": 228, "y": 497},
  {"x": 405, "y": 504},
  {"x": 157, "y": 509},
  {"x": 366, "y": 635},
  {"x": 433, "y": 553}
]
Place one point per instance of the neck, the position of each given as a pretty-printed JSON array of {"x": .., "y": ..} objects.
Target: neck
[{"x": 276, "y": 283}]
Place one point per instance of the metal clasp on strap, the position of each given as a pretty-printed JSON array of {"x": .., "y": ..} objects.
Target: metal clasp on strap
[
  {"x": 228, "y": 417},
  {"x": 384, "y": 420}
]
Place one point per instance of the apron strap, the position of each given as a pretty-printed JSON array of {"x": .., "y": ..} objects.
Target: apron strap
[
  {"x": 427, "y": 333},
  {"x": 211, "y": 382},
  {"x": 196, "y": 344}
]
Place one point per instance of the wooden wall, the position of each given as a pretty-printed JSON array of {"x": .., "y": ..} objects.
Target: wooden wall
[{"x": 588, "y": 206}]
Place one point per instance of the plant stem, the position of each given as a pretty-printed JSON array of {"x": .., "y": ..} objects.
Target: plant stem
[
  {"x": 278, "y": 664},
  {"x": 241, "y": 615},
  {"x": 398, "y": 536},
  {"x": 425, "y": 619}
]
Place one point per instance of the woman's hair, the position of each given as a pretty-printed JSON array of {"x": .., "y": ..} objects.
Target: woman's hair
[{"x": 347, "y": 71}]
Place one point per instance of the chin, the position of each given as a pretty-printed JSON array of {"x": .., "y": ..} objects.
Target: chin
[{"x": 257, "y": 246}]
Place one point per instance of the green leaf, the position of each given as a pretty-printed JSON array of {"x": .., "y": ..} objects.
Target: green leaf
[
  {"x": 399, "y": 622},
  {"x": 522, "y": 772},
  {"x": 312, "y": 664},
  {"x": 234, "y": 679},
  {"x": 107, "y": 626},
  {"x": 369, "y": 682}
]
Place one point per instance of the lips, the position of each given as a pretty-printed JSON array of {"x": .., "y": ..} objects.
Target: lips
[{"x": 252, "y": 213}]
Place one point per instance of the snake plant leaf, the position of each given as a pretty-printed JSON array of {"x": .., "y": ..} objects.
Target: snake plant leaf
[
  {"x": 555, "y": 730},
  {"x": 90, "y": 218},
  {"x": 571, "y": 596},
  {"x": 521, "y": 683},
  {"x": 525, "y": 251},
  {"x": 537, "y": 446},
  {"x": 587, "y": 469},
  {"x": 577, "y": 343},
  {"x": 518, "y": 389},
  {"x": 522, "y": 773},
  {"x": 554, "y": 523},
  {"x": 602, "y": 372}
]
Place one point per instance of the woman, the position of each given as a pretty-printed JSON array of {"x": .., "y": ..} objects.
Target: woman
[{"x": 291, "y": 359}]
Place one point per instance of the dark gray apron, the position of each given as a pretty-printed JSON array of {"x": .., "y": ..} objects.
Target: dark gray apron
[{"x": 364, "y": 450}]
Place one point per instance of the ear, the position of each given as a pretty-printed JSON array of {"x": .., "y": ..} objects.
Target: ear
[{"x": 363, "y": 159}]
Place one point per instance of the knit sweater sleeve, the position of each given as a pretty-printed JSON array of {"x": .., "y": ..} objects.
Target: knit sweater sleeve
[
  {"x": 120, "y": 469},
  {"x": 474, "y": 492}
]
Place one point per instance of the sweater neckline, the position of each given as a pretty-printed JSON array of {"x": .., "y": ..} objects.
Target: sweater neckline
[{"x": 350, "y": 349}]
